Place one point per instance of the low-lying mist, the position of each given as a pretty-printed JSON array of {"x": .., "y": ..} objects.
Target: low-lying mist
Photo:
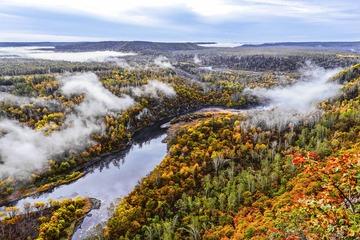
[
  {"x": 162, "y": 62},
  {"x": 312, "y": 88},
  {"x": 98, "y": 100},
  {"x": 10, "y": 99},
  {"x": 49, "y": 54},
  {"x": 292, "y": 103},
  {"x": 152, "y": 88},
  {"x": 197, "y": 60},
  {"x": 24, "y": 150}
]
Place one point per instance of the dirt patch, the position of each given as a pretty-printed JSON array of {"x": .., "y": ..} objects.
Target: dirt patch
[{"x": 194, "y": 118}]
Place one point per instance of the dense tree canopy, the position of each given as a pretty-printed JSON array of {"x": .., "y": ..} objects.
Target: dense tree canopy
[{"x": 226, "y": 175}]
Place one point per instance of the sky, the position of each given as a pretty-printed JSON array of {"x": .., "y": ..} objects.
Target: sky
[{"x": 242, "y": 21}]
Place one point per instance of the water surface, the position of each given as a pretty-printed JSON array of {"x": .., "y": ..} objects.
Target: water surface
[{"x": 111, "y": 178}]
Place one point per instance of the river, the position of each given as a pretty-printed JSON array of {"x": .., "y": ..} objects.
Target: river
[
  {"x": 111, "y": 178},
  {"x": 114, "y": 176}
]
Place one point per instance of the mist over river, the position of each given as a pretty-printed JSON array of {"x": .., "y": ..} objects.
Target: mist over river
[
  {"x": 112, "y": 177},
  {"x": 116, "y": 174}
]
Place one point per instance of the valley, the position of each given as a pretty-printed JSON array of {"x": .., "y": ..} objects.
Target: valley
[{"x": 274, "y": 154}]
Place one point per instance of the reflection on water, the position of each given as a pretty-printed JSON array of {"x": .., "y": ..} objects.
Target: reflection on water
[
  {"x": 113, "y": 177},
  {"x": 114, "y": 182}
]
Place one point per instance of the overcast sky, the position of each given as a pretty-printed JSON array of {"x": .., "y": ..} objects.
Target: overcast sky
[{"x": 175, "y": 20}]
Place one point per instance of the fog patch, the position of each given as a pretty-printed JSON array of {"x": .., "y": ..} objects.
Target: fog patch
[
  {"x": 222, "y": 45},
  {"x": 289, "y": 106},
  {"x": 302, "y": 97},
  {"x": 22, "y": 52},
  {"x": 121, "y": 63},
  {"x": 152, "y": 88},
  {"x": 98, "y": 100},
  {"x": 197, "y": 60},
  {"x": 13, "y": 100},
  {"x": 278, "y": 119},
  {"x": 208, "y": 68},
  {"x": 47, "y": 53},
  {"x": 98, "y": 56},
  {"x": 24, "y": 150},
  {"x": 162, "y": 62},
  {"x": 21, "y": 149}
]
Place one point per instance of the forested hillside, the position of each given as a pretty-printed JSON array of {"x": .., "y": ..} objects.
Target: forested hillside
[
  {"x": 125, "y": 46},
  {"x": 50, "y": 114},
  {"x": 227, "y": 179},
  {"x": 247, "y": 167}
]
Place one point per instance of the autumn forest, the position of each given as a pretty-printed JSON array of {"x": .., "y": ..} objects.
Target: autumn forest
[{"x": 258, "y": 142}]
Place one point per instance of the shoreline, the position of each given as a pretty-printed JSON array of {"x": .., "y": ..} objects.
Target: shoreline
[{"x": 86, "y": 167}]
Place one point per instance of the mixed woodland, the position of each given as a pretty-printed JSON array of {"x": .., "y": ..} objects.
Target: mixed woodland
[
  {"x": 227, "y": 175},
  {"x": 227, "y": 179}
]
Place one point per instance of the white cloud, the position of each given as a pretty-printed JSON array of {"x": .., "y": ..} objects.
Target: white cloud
[
  {"x": 119, "y": 11},
  {"x": 139, "y": 11},
  {"x": 194, "y": 20},
  {"x": 34, "y": 37},
  {"x": 308, "y": 10},
  {"x": 10, "y": 17}
]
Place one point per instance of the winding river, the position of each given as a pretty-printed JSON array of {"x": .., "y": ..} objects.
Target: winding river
[{"x": 111, "y": 178}]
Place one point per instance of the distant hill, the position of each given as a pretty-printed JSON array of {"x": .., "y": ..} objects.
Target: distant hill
[
  {"x": 352, "y": 46},
  {"x": 125, "y": 46},
  {"x": 143, "y": 46}
]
